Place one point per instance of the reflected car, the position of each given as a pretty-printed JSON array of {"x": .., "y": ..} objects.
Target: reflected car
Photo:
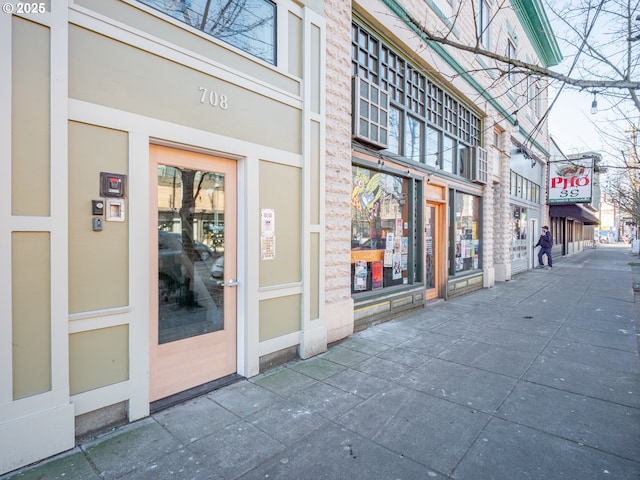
[
  {"x": 204, "y": 252},
  {"x": 217, "y": 269}
]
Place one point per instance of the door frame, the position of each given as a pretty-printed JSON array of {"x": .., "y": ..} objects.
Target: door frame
[
  {"x": 231, "y": 295},
  {"x": 533, "y": 235},
  {"x": 439, "y": 252}
]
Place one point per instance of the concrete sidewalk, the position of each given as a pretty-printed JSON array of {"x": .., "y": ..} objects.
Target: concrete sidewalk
[{"x": 536, "y": 378}]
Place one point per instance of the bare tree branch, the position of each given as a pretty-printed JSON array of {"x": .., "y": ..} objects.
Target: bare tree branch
[{"x": 531, "y": 68}]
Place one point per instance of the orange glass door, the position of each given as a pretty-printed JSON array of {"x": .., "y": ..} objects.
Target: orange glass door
[
  {"x": 433, "y": 250},
  {"x": 193, "y": 270}
]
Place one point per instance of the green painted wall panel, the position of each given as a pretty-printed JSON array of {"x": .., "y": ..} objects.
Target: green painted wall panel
[
  {"x": 280, "y": 316},
  {"x": 314, "y": 172},
  {"x": 162, "y": 26},
  {"x": 314, "y": 273},
  {"x": 31, "y": 313},
  {"x": 110, "y": 73},
  {"x": 281, "y": 190},
  {"x": 98, "y": 261},
  {"x": 98, "y": 358},
  {"x": 296, "y": 58},
  {"x": 30, "y": 118}
]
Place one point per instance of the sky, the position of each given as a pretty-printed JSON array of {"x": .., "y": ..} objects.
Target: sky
[{"x": 570, "y": 121}]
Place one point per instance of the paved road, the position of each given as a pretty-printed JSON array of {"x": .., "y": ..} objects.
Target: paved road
[{"x": 536, "y": 378}]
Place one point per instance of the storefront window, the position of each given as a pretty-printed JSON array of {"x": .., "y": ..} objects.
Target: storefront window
[
  {"x": 519, "y": 234},
  {"x": 466, "y": 233},
  {"x": 380, "y": 230}
]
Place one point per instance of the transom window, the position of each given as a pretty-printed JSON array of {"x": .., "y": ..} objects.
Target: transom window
[
  {"x": 522, "y": 187},
  {"x": 426, "y": 124},
  {"x": 249, "y": 25}
]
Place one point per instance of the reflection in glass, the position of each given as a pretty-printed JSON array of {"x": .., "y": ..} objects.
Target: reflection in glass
[
  {"x": 430, "y": 259},
  {"x": 447, "y": 154},
  {"x": 433, "y": 147},
  {"x": 190, "y": 252},
  {"x": 380, "y": 217},
  {"x": 413, "y": 139},
  {"x": 394, "y": 130},
  {"x": 466, "y": 232},
  {"x": 519, "y": 223},
  {"x": 249, "y": 25}
]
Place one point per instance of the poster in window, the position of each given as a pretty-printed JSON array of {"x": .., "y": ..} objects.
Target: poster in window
[
  {"x": 404, "y": 249},
  {"x": 376, "y": 275},
  {"x": 397, "y": 266},
  {"x": 389, "y": 244},
  {"x": 399, "y": 224},
  {"x": 360, "y": 277},
  {"x": 405, "y": 262},
  {"x": 388, "y": 258}
]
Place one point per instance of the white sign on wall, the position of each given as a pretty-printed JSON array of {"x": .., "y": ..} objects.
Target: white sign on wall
[
  {"x": 268, "y": 234},
  {"x": 570, "y": 181}
]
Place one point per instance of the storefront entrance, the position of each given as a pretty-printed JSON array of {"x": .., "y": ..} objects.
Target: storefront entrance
[
  {"x": 193, "y": 270},
  {"x": 434, "y": 219}
]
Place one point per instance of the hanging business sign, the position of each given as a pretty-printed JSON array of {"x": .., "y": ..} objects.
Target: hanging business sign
[{"x": 570, "y": 181}]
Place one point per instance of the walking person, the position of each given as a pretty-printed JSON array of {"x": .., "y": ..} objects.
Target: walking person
[{"x": 545, "y": 243}]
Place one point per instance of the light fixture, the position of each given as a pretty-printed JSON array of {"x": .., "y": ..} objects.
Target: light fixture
[
  {"x": 594, "y": 105},
  {"x": 516, "y": 124}
]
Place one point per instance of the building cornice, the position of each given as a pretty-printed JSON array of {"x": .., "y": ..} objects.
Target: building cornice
[{"x": 535, "y": 22}]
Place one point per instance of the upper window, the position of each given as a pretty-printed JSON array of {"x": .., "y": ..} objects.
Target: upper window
[
  {"x": 249, "y": 25},
  {"x": 484, "y": 14},
  {"x": 537, "y": 101},
  {"x": 425, "y": 123},
  {"x": 524, "y": 188},
  {"x": 511, "y": 55}
]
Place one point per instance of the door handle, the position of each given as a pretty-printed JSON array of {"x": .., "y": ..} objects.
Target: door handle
[{"x": 231, "y": 283}]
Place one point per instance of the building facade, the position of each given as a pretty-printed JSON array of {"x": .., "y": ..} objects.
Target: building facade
[
  {"x": 448, "y": 151},
  {"x": 574, "y": 199},
  {"x": 192, "y": 200},
  {"x": 164, "y": 215}
]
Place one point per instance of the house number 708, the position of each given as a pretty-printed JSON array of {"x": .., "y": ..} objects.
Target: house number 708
[{"x": 213, "y": 98}]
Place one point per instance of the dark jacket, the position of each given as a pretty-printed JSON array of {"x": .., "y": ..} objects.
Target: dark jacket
[{"x": 545, "y": 240}]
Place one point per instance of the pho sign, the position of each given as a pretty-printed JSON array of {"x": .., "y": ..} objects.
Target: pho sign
[{"x": 570, "y": 181}]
